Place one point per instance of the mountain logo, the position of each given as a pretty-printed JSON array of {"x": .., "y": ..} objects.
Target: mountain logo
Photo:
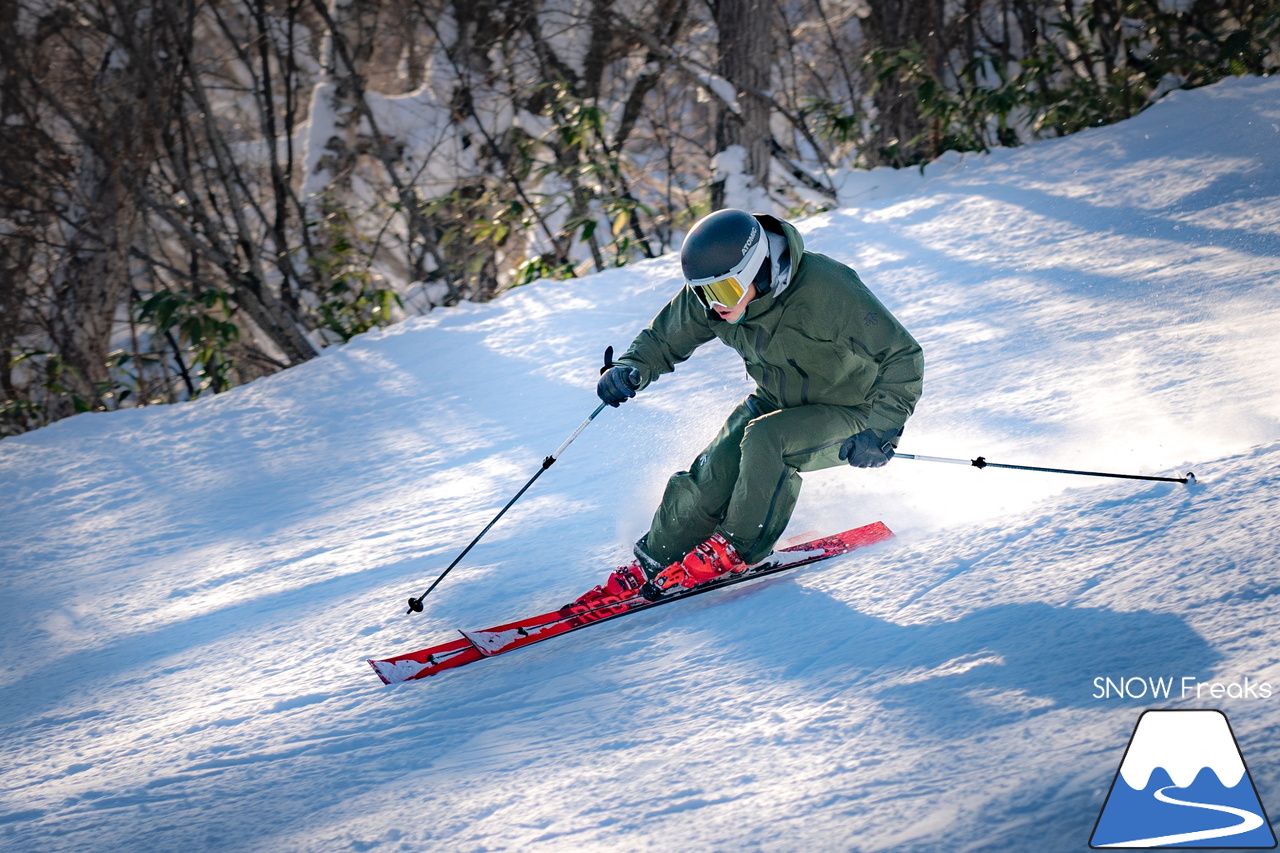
[{"x": 1182, "y": 782}]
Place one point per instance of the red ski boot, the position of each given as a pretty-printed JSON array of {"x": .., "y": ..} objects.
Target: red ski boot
[
  {"x": 609, "y": 599},
  {"x": 708, "y": 561}
]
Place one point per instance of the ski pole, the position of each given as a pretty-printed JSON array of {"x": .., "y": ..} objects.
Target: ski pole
[
  {"x": 980, "y": 462},
  {"x": 415, "y": 604}
]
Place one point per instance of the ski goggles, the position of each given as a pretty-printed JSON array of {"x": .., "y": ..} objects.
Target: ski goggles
[{"x": 728, "y": 289}]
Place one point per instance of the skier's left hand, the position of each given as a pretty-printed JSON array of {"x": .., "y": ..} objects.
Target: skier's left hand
[{"x": 869, "y": 449}]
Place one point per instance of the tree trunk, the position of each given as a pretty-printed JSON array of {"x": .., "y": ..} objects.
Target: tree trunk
[
  {"x": 746, "y": 60},
  {"x": 894, "y": 25},
  {"x": 118, "y": 144}
]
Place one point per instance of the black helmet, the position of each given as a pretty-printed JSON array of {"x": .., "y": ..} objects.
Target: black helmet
[
  {"x": 718, "y": 243},
  {"x": 722, "y": 254}
]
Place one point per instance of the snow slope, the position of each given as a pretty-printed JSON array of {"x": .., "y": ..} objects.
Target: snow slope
[{"x": 187, "y": 593}]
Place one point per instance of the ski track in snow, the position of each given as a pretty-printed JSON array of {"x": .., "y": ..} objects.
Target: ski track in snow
[{"x": 189, "y": 592}]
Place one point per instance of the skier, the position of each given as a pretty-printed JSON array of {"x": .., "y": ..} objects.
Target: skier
[{"x": 836, "y": 377}]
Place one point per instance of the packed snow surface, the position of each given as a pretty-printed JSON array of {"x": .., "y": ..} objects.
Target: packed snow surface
[{"x": 189, "y": 592}]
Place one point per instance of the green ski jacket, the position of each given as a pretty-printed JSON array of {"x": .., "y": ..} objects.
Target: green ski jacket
[{"x": 819, "y": 336}]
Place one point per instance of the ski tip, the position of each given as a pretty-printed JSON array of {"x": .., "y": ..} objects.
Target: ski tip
[
  {"x": 1190, "y": 479},
  {"x": 373, "y": 663}
]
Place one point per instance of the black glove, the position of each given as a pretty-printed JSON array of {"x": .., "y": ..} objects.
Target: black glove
[
  {"x": 869, "y": 449},
  {"x": 618, "y": 384}
]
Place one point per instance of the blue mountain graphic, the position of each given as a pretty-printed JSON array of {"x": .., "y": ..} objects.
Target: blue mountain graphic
[{"x": 1131, "y": 814}]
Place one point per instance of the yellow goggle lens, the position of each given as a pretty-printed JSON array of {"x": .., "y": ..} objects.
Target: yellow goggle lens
[{"x": 726, "y": 291}]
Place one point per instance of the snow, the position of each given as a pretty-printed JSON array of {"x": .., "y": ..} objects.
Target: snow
[
  {"x": 1195, "y": 740},
  {"x": 189, "y": 592}
]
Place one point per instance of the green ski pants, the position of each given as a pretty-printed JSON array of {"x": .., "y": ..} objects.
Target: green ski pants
[{"x": 746, "y": 482}]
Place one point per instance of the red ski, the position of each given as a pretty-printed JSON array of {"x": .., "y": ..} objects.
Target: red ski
[{"x": 601, "y": 606}]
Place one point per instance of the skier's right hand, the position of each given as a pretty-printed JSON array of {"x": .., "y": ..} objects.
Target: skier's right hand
[
  {"x": 618, "y": 384},
  {"x": 869, "y": 449}
]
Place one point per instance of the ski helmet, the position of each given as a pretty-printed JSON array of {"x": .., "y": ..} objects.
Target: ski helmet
[{"x": 722, "y": 254}]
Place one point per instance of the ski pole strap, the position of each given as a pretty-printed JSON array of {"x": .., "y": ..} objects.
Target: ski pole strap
[{"x": 981, "y": 462}]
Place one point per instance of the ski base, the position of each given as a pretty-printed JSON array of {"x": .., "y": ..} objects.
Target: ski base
[{"x": 474, "y": 645}]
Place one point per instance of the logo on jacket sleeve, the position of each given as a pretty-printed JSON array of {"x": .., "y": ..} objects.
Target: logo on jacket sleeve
[{"x": 1182, "y": 783}]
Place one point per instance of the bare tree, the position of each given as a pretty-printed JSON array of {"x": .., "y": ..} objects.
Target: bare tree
[
  {"x": 745, "y": 46},
  {"x": 195, "y": 193}
]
